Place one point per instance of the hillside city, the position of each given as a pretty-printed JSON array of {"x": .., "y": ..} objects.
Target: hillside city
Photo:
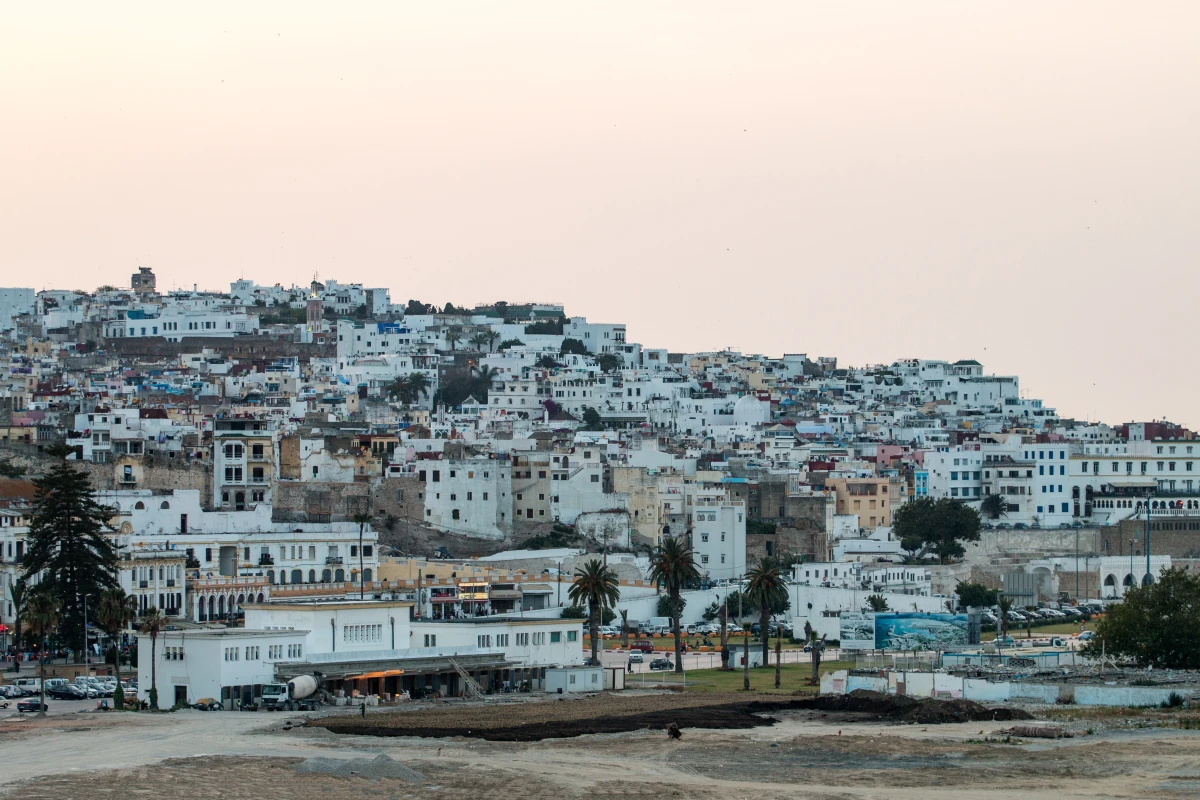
[{"x": 400, "y": 497}]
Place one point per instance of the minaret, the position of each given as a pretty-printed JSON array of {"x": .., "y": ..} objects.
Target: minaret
[{"x": 314, "y": 315}]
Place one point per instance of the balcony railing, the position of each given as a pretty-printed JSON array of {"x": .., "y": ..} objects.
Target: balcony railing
[
  {"x": 143, "y": 584},
  {"x": 266, "y": 561},
  {"x": 333, "y": 559},
  {"x": 170, "y": 582}
]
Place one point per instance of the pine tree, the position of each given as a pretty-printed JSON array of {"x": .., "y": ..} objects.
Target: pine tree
[{"x": 68, "y": 548}]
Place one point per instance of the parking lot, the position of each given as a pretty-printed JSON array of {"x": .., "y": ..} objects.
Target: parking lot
[{"x": 56, "y": 707}]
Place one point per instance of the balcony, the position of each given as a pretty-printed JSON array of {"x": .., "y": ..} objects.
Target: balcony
[
  {"x": 143, "y": 584},
  {"x": 333, "y": 559},
  {"x": 266, "y": 561},
  {"x": 170, "y": 583}
]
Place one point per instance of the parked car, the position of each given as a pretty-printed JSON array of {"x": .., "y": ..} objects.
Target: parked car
[
  {"x": 32, "y": 704},
  {"x": 641, "y": 646},
  {"x": 67, "y": 691},
  {"x": 661, "y": 663},
  {"x": 1006, "y": 641},
  {"x": 1087, "y": 636},
  {"x": 635, "y": 657}
]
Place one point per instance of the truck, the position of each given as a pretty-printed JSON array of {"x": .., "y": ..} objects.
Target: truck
[{"x": 296, "y": 694}]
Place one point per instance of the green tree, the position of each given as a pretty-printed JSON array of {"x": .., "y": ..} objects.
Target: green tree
[
  {"x": 10, "y": 470},
  {"x": 767, "y": 586},
  {"x": 609, "y": 362},
  {"x": 113, "y": 612},
  {"x": 666, "y": 608},
  {"x": 507, "y": 343},
  {"x": 361, "y": 519},
  {"x": 152, "y": 624},
  {"x": 940, "y": 526},
  {"x": 42, "y": 615},
  {"x": 547, "y": 362},
  {"x": 18, "y": 595},
  {"x": 416, "y": 307},
  {"x": 877, "y": 602},
  {"x": 595, "y": 584},
  {"x": 1157, "y": 625},
  {"x": 574, "y": 346},
  {"x": 1005, "y": 604},
  {"x": 975, "y": 595},
  {"x": 67, "y": 545},
  {"x": 492, "y": 336},
  {"x": 624, "y": 629},
  {"x": 992, "y": 505},
  {"x": 672, "y": 568},
  {"x": 480, "y": 340},
  {"x": 591, "y": 420},
  {"x": 453, "y": 338}
]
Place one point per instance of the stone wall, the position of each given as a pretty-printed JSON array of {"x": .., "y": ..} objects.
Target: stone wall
[
  {"x": 1178, "y": 537},
  {"x": 240, "y": 347}
]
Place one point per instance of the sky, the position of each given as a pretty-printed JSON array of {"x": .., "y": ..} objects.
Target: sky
[{"x": 1011, "y": 182}]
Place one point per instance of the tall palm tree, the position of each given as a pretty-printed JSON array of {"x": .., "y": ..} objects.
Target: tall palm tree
[
  {"x": 418, "y": 384},
  {"x": 43, "y": 615},
  {"x": 18, "y": 594},
  {"x": 672, "y": 567},
  {"x": 767, "y": 588},
  {"x": 479, "y": 340},
  {"x": 492, "y": 336},
  {"x": 152, "y": 624},
  {"x": 596, "y": 584},
  {"x": 624, "y": 628},
  {"x": 1005, "y": 604},
  {"x": 398, "y": 389},
  {"x": 361, "y": 519},
  {"x": 114, "y": 612},
  {"x": 453, "y": 337}
]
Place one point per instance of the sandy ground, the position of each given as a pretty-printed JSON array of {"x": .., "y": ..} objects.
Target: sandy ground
[{"x": 198, "y": 754}]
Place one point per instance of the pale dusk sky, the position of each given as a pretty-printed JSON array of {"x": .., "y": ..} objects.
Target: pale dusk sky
[{"x": 1012, "y": 182}]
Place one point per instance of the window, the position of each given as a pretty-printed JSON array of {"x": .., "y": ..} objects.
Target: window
[
  {"x": 555, "y": 637},
  {"x": 431, "y": 640},
  {"x": 572, "y": 636},
  {"x": 523, "y": 639},
  {"x": 502, "y": 640},
  {"x": 704, "y": 537},
  {"x": 703, "y": 559}
]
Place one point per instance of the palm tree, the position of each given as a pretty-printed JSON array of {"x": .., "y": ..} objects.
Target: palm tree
[
  {"x": 992, "y": 505},
  {"x": 479, "y": 340},
  {"x": 361, "y": 519},
  {"x": 723, "y": 616},
  {"x": 877, "y": 602},
  {"x": 153, "y": 622},
  {"x": 418, "y": 384},
  {"x": 18, "y": 594},
  {"x": 453, "y": 337},
  {"x": 766, "y": 586},
  {"x": 672, "y": 567},
  {"x": 492, "y": 336},
  {"x": 398, "y": 389},
  {"x": 43, "y": 615},
  {"x": 778, "y": 653},
  {"x": 114, "y": 612},
  {"x": 624, "y": 628},
  {"x": 1005, "y": 604},
  {"x": 596, "y": 584}
]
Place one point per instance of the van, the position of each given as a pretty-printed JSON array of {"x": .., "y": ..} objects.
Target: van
[
  {"x": 52, "y": 682},
  {"x": 29, "y": 684}
]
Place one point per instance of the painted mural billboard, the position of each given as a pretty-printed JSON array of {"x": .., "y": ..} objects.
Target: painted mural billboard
[{"x": 899, "y": 630}]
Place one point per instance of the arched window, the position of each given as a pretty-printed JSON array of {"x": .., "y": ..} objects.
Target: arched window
[
  {"x": 297, "y": 576},
  {"x": 221, "y": 606},
  {"x": 165, "y": 504},
  {"x": 326, "y": 576},
  {"x": 367, "y": 575},
  {"x": 312, "y": 576},
  {"x": 339, "y": 576},
  {"x": 260, "y": 597},
  {"x": 139, "y": 505},
  {"x": 270, "y": 577}
]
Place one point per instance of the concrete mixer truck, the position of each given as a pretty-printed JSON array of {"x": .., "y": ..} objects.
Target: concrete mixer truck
[{"x": 298, "y": 694}]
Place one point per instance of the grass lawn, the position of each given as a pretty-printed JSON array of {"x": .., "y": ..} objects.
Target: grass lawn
[
  {"x": 792, "y": 678},
  {"x": 1065, "y": 629}
]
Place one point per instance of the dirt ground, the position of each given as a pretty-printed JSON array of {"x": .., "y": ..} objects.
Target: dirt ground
[
  {"x": 607, "y": 713},
  {"x": 196, "y": 754}
]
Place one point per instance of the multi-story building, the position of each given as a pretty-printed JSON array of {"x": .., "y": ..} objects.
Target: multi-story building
[{"x": 245, "y": 461}]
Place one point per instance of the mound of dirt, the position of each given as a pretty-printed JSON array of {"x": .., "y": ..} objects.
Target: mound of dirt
[
  {"x": 899, "y": 708},
  {"x": 373, "y": 768}
]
